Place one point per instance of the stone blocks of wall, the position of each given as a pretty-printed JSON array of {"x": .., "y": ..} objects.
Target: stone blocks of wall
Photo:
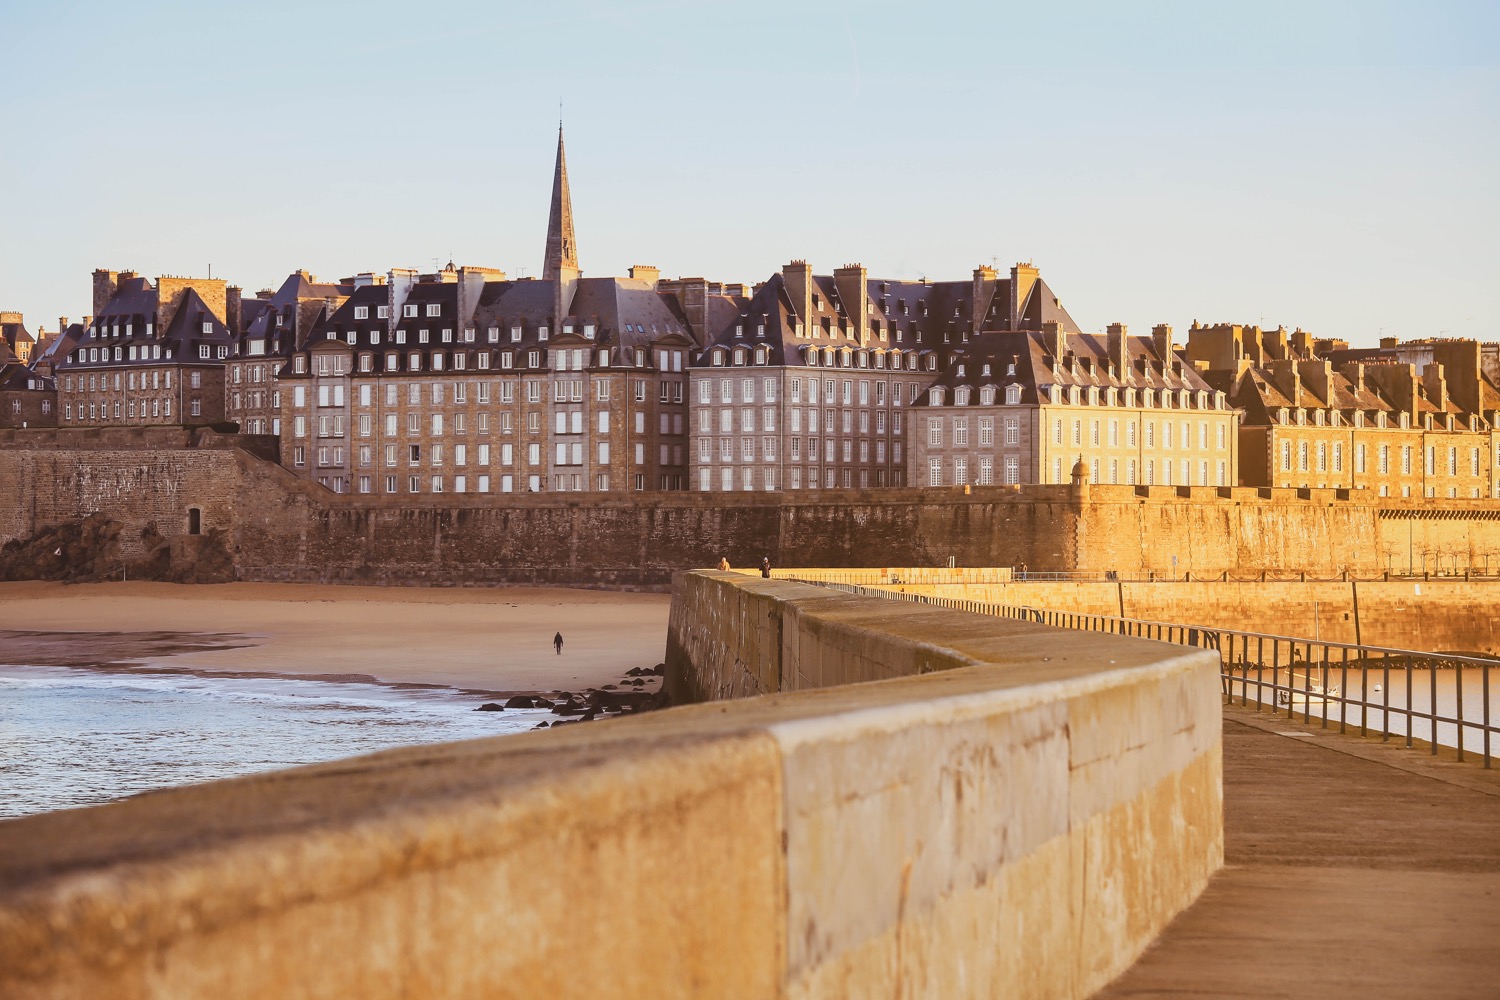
[
  {"x": 285, "y": 529},
  {"x": 1014, "y": 811}
]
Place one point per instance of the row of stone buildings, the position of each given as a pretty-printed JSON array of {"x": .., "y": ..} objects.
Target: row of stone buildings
[{"x": 464, "y": 381}]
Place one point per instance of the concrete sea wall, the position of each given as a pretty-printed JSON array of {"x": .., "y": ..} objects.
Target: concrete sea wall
[
  {"x": 1012, "y": 811},
  {"x": 1440, "y": 614},
  {"x": 1017, "y": 811}
]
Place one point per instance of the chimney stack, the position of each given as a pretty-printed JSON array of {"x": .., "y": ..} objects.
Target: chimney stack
[
  {"x": 1118, "y": 351},
  {"x": 797, "y": 276},
  {"x": 852, "y": 281}
]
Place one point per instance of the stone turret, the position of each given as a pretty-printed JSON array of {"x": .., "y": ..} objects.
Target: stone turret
[{"x": 1080, "y": 488}]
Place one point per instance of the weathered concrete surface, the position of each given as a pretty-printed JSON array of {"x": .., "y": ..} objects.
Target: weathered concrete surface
[
  {"x": 1024, "y": 828},
  {"x": 1351, "y": 869},
  {"x": 1022, "y": 824}
]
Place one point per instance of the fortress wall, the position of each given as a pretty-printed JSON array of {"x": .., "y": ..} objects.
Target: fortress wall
[
  {"x": 1001, "y": 784},
  {"x": 280, "y": 528},
  {"x": 1440, "y": 614}
]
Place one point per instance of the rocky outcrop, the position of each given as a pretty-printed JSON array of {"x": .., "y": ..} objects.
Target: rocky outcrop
[{"x": 89, "y": 550}]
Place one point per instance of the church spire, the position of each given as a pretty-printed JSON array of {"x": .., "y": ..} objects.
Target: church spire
[{"x": 562, "y": 252}]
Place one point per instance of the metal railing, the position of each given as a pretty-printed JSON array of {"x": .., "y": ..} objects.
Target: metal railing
[{"x": 1306, "y": 678}]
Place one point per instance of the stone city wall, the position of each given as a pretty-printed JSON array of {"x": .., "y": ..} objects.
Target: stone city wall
[
  {"x": 1023, "y": 824},
  {"x": 279, "y": 528}
]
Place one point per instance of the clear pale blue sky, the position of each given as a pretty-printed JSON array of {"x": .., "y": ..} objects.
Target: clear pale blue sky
[{"x": 1331, "y": 165}]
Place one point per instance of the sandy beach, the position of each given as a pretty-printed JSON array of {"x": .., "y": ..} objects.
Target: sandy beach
[{"x": 481, "y": 639}]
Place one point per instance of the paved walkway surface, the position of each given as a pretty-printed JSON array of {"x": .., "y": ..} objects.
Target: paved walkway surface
[{"x": 1351, "y": 868}]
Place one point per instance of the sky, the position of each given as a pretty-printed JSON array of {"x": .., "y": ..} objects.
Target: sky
[{"x": 1323, "y": 164}]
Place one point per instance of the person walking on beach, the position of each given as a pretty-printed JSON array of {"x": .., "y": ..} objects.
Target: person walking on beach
[
  {"x": 765, "y": 567},
  {"x": 557, "y": 643}
]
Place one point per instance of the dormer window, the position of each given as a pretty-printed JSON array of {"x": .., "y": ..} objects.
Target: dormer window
[
  {"x": 493, "y": 335},
  {"x": 1012, "y": 395},
  {"x": 447, "y": 336},
  {"x": 718, "y": 359},
  {"x": 299, "y": 364},
  {"x": 541, "y": 333},
  {"x": 739, "y": 355},
  {"x": 960, "y": 371},
  {"x": 382, "y": 312},
  {"x": 409, "y": 311},
  {"x": 400, "y": 336},
  {"x": 987, "y": 396},
  {"x": 935, "y": 396},
  {"x": 760, "y": 329},
  {"x": 361, "y": 312},
  {"x": 434, "y": 309},
  {"x": 374, "y": 337},
  {"x": 760, "y": 355},
  {"x": 588, "y": 331},
  {"x": 203, "y": 350},
  {"x": 351, "y": 336},
  {"x": 961, "y": 396},
  {"x": 421, "y": 336}
]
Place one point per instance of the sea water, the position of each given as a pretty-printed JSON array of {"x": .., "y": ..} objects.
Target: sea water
[{"x": 72, "y": 737}]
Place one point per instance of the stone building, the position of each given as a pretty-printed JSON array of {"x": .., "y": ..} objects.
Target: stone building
[
  {"x": 266, "y": 330},
  {"x": 27, "y": 398},
  {"x": 1026, "y": 406},
  {"x": 152, "y": 354},
  {"x": 16, "y": 338},
  {"x": 463, "y": 381},
  {"x": 808, "y": 386},
  {"x": 1380, "y": 425}
]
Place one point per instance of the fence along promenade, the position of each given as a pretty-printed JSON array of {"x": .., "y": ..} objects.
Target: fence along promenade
[{"x": 1287, "y": 673}]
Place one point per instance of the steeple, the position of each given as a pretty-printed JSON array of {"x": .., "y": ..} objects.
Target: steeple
[{"x": 562, "y": 251}]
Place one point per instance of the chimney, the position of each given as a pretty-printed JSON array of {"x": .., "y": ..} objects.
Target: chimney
[
  {"x": 1436, "y": 385},
  {"x": 1317, "y": 375},
  {"x": 797, "y": 276},
  {"x": 1161, "y": 342},
  {"x": 1388, "y": 343},
  {"x": 232, "y": 298},
  {"x": 1463, "y": 372},
  {"x": 1355, "y": 373},
  {"x": 692, "y": 296},
  {"x": 985, "y": 280},
  {"x": 105, "y": 284},
  {"x": 852, "y": 281},
  {"x": 1302, "y": 343},
  {"x": 1054, "y": 340},
  {"x": 645, "y": 272},
  {"x": 1118, "y": 352},
  {"x": 1023, "y": 278}
]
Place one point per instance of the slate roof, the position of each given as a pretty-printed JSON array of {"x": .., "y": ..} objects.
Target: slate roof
[
  {"x": 986, "y": 361},
  {"x": 133, "y": 308},
  {"x": 626, "y": 313}
]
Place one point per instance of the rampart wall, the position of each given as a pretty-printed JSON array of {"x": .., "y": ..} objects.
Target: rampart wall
[
  {"x": 277, "y": 527},
  {"x": 1022, "y": 822}
]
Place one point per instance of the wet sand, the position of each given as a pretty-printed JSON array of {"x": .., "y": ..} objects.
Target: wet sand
[{"x": 492, "y": 640}]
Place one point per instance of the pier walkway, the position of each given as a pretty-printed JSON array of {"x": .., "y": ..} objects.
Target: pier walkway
[{"x": 1351, "y": 868}]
